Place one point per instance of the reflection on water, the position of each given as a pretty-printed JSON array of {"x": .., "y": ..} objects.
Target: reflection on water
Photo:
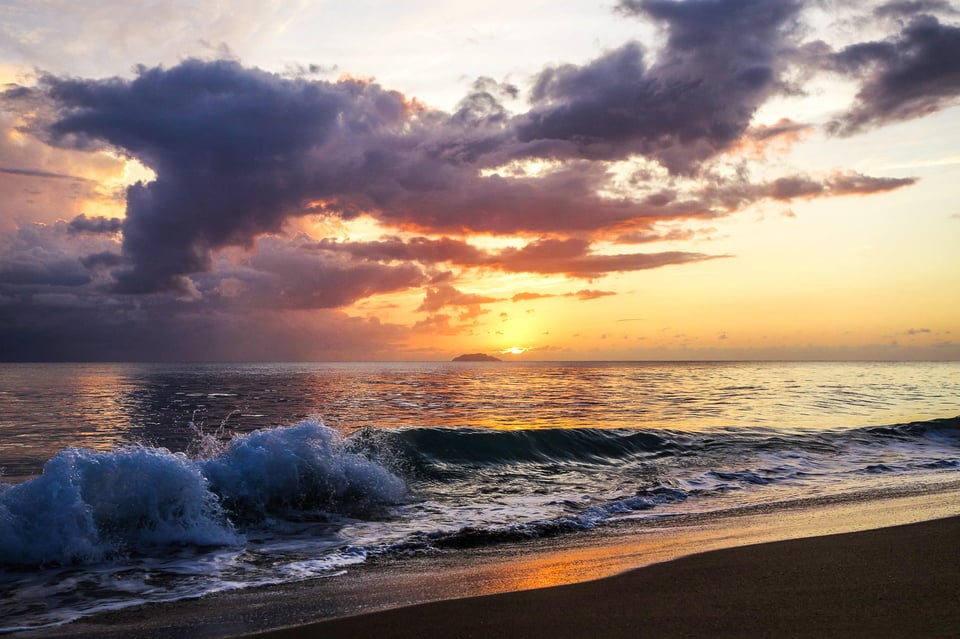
[{"x": 47, "y": 407}]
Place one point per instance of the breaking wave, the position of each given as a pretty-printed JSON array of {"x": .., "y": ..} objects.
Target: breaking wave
[{"x": 88, "y": 505}]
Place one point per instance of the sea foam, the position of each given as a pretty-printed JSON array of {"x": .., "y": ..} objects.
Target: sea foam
[
  {"x": 89, "y": 505},
  {"x": 303, "y": 467}
]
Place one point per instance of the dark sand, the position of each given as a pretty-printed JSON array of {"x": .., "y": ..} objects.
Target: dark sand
[{"x": 902, "y": 581}]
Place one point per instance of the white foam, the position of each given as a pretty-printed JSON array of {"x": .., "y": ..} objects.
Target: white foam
[
  {"x": 303, "y": 467},
  {"x": 88, "y": 505}
]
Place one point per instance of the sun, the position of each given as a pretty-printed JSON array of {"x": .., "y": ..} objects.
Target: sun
[{"x": 514, "y": 350}]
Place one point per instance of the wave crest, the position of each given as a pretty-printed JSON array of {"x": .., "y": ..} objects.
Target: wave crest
[
  {"x": 303, "y": 467},
  {"x": 89, "y": 505}
]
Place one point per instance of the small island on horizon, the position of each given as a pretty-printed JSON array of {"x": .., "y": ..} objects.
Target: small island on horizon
[{"x": 476, "y": 357}]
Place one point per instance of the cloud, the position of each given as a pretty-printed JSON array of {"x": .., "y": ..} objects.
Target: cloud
[
  {"x": 908, "y": 8},
  {"x": 799, "y": 186},
  {"x": 583, "y": 295},
  {"x": 56, "y": 305},
  {"x": 526, "y": 297},
  {"x": 438, "y": 324},
  {"x": 82, "y": 327},
  {"x": 111, "y": 33},
  {"x": 587, "y": 294},
  {"x": 39, "y": 257},
  {"x": 779, "y": 137},
  {"x": 572, "y": 257},
  {"x": 735, "y": 194},
  {"x": 39, "y": 183},
  {"x": 39, "y": 174},
  {"x": 909, "y": 76},
  {"x": 238, "y": 152},
  {"x": 624, "y": 147},
  {"x": 721, "y": 61},
  {"x": 96, "y": 224},
  {"x": 446, "y": 295},
  {"x": 545, "y": 255},
  {"x": 281, "y": 275},
  {"x": 104, "y": 259},
  {"x": 417, "y": 249}
]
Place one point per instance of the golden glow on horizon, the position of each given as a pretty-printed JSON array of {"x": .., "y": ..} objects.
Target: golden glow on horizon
[{"x": 514, "y": 350}]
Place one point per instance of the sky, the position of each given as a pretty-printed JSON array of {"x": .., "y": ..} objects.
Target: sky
[{"x": 366, "y": 180}]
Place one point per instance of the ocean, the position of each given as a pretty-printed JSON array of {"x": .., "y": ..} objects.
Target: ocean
[{"x": 124, "y": 484}]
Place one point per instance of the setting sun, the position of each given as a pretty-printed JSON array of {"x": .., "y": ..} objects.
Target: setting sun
[{"x": 514, "y": 350}]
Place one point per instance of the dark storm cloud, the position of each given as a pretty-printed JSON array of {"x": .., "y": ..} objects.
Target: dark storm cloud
[
  {"x": 722, "y": 60},
  {"x": 52, "y": 307},
  {"x": 95, "y": 224},
  {"x": 236, "y": 151},
  {"x": 42, "y": 270},
  {"x": 912, "y": 75},
  {"x": 105, "y": 259},
  {"x": 34, "y": 259},
  {"x": 58, "y": 327},
  {"x": 239, "y": 151}
]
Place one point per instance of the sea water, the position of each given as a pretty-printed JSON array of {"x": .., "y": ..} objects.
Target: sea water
[{"x": 130, "y": 483}]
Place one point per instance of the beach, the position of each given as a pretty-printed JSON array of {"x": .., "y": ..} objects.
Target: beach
[
  {"x": 893, "y": 582},
  {"x": 897, "y": 574}
]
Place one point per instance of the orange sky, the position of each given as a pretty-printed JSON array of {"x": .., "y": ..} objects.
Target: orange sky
[{"x": 702, "y": 180}]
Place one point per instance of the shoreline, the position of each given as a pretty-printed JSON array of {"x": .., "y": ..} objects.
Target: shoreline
[
  {"x": 888, "y": 582},
  {"x": 393, "y": 584}
]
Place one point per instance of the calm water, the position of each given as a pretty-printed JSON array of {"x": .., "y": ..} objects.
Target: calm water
[{"x": 127, "y": 483}]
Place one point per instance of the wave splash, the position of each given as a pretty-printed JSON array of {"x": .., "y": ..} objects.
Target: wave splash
[
  {"x": 88, "y": 506},
  {"x": 467, "y": 484}
]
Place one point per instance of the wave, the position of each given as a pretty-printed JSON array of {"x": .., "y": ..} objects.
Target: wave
[
  {"x": 585, "y": 519},
  {"x": 477, "y": 485},
  {"x": 88, "y": 505},
  {"x": 436, "y": 452}
]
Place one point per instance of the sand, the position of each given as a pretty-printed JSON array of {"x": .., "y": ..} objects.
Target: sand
[{"x": 901, "y": 581}]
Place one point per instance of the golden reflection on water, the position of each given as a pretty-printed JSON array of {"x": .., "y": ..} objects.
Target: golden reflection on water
[
  {"x": 47, "y": 407},
  {"x": 584, "y": 558}
]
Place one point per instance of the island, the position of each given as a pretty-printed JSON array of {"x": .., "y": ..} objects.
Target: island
[{"x": 476, "y": 357}]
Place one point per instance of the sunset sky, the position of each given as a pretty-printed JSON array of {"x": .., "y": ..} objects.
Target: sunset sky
[{"x": 360, "y": 180}]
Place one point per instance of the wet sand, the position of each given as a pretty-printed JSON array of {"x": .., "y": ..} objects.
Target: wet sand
[{"x": 902, "y": 581}]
